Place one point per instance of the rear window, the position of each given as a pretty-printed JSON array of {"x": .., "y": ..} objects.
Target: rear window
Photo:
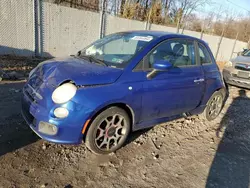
[{"x": 205, "y": 57}]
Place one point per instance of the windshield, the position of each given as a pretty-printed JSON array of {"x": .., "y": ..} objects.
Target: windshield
[
  {"x": 117, "y": 49},
  {"x": 247, "y": 53}
]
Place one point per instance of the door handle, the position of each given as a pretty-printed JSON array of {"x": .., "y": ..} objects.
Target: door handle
[{"x": 199, "y": 80}]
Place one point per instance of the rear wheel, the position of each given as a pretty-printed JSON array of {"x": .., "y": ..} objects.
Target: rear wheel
[
  {"x": 214, "y": 106},
  {"x": 108, "y": 131}
]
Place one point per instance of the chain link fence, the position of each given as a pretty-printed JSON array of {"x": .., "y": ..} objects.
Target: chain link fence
[
  {"x": 59, "y": 28},
  {"x": 17, "y": 27}
]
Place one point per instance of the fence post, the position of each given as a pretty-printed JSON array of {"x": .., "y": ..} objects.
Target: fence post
[
  {"x": 102, "y": 19},
  {"x": 234, "y": 45},
  {"x": 37, "y": 27}
]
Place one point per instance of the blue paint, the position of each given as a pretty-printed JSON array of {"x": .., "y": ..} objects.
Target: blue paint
[
  {"x": 165, "y": 97},
  {"x": 162, "y": 65}
]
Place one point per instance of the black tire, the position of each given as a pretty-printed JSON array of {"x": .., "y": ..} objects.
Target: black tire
[
  {"x": 105, "y": 132},
  {"x": 206, "y": 115}
]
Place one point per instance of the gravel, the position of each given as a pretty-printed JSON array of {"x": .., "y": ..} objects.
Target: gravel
[{"x": 182, "y": 153}]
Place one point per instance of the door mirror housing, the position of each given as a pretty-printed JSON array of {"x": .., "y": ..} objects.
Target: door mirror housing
[{"x": 161, "y": 65}]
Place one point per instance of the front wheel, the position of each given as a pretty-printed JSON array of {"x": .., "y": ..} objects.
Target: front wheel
[
  {"x": 214, "y": 106},
  {"x": 108, "y": 131}
]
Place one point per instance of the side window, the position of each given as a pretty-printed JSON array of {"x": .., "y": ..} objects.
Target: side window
[
  {"x": 177, "y": 51},
  {"x": 205, "y": 57}
]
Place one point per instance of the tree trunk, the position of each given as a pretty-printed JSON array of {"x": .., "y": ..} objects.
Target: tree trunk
[{"x": 122, "y": 6}]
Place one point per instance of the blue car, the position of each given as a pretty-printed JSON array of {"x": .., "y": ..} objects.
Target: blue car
[{"x": 121, "y": 83}]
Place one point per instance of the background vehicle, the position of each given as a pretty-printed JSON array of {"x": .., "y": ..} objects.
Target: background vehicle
[
  {"x": 242, "y": 52},
  {"x": 237, "y": 71},
  {"x": 121, "y": 83}
]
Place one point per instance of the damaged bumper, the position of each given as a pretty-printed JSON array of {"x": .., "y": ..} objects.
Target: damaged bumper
[
  {"x": 39, "y": 114},
  {"x": 237, "y": 77}
]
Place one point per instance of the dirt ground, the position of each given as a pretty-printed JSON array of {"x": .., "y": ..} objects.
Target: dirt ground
[{"x": 185, "y": 153}]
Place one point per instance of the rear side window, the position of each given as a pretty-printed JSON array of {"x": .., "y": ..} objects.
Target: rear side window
[
  {"x": 179, "y": 52},
  {"x": 205, "y": 57}
]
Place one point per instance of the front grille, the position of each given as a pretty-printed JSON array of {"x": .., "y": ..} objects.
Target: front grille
[
  {"x": 31, "y": 88},
  {"x": 26, "y": 93},
  {"x": 244, "y": 67},
  {"x": 35, "y": 82}
]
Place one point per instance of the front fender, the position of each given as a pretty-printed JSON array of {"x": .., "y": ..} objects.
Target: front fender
[{"x": 97, "y": 98}]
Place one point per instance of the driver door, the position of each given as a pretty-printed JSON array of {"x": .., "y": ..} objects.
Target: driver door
[{"x": 177, "y": 90}]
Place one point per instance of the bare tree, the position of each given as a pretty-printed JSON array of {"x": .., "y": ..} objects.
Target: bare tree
[
  {"x": 207, "y": 22},
  {"x": 166, "y": 6},
  {"x": 183, "y": 8},
  {"x": 122, "y": 6},
  {"x": 82, "y": 4},
  {"x": 228, "y": 20}
]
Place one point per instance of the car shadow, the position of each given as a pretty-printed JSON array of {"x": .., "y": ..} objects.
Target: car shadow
[
  {"x": 231, "y": 165},
  {"x": 136, "y": 134},
  {"x": 14, "y": 132}
]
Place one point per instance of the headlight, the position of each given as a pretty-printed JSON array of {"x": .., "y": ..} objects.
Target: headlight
[
  {"x": 228, "y": 64},
  {"x": 64, "y": 93}
]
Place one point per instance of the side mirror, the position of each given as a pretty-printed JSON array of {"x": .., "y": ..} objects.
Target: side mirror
[
  {"x": 159, "y": 66},
  {"x": 162, "y": 65}
]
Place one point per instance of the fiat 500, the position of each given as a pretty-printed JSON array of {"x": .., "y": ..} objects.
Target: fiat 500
[{"x": 122, "y": 83}]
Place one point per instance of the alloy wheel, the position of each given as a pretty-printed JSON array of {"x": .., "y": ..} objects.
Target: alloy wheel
[
  {"x": 110, "y": 132},
  {"x": 215, "y": 106}
]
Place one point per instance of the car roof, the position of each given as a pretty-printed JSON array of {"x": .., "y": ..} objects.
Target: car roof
[{"x": 163, "y": 34}]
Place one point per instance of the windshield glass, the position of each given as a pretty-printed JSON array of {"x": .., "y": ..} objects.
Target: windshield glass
[
  {"x": 247, "y": 53},
  {"x": 117, "y": 49}
]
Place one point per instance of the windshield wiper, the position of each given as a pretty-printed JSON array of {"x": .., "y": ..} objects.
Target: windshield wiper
[
  {"x": 98, "y": 61},
  {"x": 92, "y": 59}
]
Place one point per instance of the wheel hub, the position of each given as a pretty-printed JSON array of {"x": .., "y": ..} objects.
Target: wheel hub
[
  {"x": 111, "y": 131},
  {"x": 215, "y": 106}
]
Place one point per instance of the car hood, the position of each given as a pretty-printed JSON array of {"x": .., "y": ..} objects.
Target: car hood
[
  {"x": 82, "y": 72},
  {"x": 241, "y": 59}
]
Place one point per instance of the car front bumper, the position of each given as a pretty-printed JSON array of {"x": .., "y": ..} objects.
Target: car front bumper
[
  {"x": 232, "y": 77},
  {"x": 69, "y": 128}
]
